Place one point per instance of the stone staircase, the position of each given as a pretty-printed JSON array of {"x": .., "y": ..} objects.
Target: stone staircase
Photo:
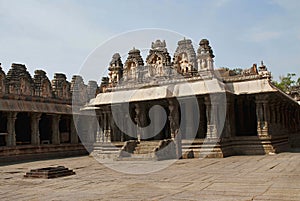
[
  {"x": 106, "y": 150},
  {"x": 199, "y": 148},
  {"x": 143, "y": 150},
  {"x": 148, "y": 150},
  {"x": 146, "y": 147}
]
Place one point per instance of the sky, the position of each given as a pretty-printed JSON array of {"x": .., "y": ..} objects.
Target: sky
[{"x": 67, "y": 36}]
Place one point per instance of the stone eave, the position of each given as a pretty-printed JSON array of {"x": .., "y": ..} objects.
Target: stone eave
[
  {"x": 31, "y": 106},
  {"x": 175, "y": 90},
  {"x": 283, "y": 94},
  {"x": 250, "y": 86}
]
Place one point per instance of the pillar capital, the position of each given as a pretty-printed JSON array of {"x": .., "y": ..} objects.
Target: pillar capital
[
  {"x": 12, "y": 115},
  {"x": 36, "y": 115},
  {"x": 261, "y": 98}
]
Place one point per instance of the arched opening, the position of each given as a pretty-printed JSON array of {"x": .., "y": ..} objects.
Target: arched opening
[
  {"x": 3, "y": 128},
  {"x": 22, "y": 129},
  {"x": 45, "y": 129},
  {"x": 64, "y": 129}
]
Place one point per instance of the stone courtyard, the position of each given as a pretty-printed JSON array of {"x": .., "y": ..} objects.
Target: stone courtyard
[{"x": 264, "y": 177}]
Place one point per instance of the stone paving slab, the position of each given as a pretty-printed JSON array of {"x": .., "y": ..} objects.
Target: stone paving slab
[{"x": 268, "y": 177}]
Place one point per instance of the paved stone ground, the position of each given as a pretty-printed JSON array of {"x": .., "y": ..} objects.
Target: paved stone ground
[{"x": 269, "y": 177}]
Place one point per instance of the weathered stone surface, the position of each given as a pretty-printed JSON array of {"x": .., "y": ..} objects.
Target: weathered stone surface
[{"x": 235, "y": 178}]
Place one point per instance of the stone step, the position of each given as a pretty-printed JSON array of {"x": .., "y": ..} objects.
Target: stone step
[
  {"x": 136, "y": 159},
  {"x": 146, "y": 148},
  {"x": 142, "y": 152}
]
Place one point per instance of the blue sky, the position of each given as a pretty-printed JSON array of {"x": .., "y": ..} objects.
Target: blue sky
[{"x": 58, "y": 35}]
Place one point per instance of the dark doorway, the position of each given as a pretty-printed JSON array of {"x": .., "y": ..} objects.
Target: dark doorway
[
  {"x": 202, "y": 129},
  {"x": 64, "y": 129},
  {"x": 3, "y": 128},
  {"x": 246, "y": 120},
  {"x": 22, "y": 129},
  {"x": 45, "y": 129}
]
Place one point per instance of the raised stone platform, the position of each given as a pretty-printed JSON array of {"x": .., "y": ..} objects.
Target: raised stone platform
[{"x": 49, "y": 172}]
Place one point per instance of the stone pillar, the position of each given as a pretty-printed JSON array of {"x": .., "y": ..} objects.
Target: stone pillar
[
  {"x": 278, "y": 118},
  {"x": 105, "y": 127},
  {"x": 74, "y": 136},
  {"x": 262, "y": 114},
  {"x": 55, "y": 129},
  {"x": 119, "y": 126},
  {"x": 230, "y": 129},
  {"x": 35, "y": 134},
  {"x": 211, "y": 113},
  {"x": 273, "y": 118},
  {"x": 286, "y": 116},
  {"x": 190, "y": 131},
  {"x": 138, "y": 120},
  {"x": 109, "y": 127},
  {"x": 99, "y": 135},
  {"x": 174, "y": 126},
  {"x": 11, "y": 137}
]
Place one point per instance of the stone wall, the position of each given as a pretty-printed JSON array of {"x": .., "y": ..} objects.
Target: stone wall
[{"x": 19, "y": 84}]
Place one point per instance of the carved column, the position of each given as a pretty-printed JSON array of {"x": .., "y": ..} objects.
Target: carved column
[
  {"x": 278, "y": 118},
  {"x": 230, "y": 118},
  {"x": 211, "y": 113},
  {"x": 55, "y": 129},
  {"x": 119, "y": 123},
  {"x": 35, "y": 134},
  {"x": 273, "y": 118},
  {"x": 105, "y": 127},
  {"x": 74, "y": 136},
  {"x": 100, "y": 133},
  {"x": 190, "y": 130},
  {"x": 11, "y": 137},
  {"x": 262, "y": 114},
  {"x": 102, "y": 128},
  {"x": 174, "y": 126},
  {"x": 109, "y": 126},
  {"x": 138, "y": 120}
]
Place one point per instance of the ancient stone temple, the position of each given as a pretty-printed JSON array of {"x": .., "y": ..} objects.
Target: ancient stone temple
[
  {"x": 36, "y": 113},
  {"x": 162, "y": 108}
]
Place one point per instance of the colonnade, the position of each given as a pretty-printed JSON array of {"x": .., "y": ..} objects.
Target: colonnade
[
  {"x": 266, "y": 117},
  {"x": 34, "y": 129}
]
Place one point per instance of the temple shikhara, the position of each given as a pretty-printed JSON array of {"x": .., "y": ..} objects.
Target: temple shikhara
[{"x": 160, "y": 107}]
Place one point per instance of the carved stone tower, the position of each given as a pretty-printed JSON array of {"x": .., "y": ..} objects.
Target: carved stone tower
[
  {"x": 205, "y": 56},
  {"x": 78, "y": 89},
  {"x": 19, "y": 80},
  {"x": 2, "y": 81},
  {"x": 159, "y": 60},
  {"x": 61, "y": 87},
  {"x": 42, "y": 85},
  {"x": 185, "y": 58},
  {"x": 133, "y": 62},
  {"x": 116, "y": 70},
  {"x": 92, "y": 89}
]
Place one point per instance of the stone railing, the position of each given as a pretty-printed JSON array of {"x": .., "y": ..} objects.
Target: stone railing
[
  {"x": 128, "y": 148},
  {"x": 166, "y": 150}
]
